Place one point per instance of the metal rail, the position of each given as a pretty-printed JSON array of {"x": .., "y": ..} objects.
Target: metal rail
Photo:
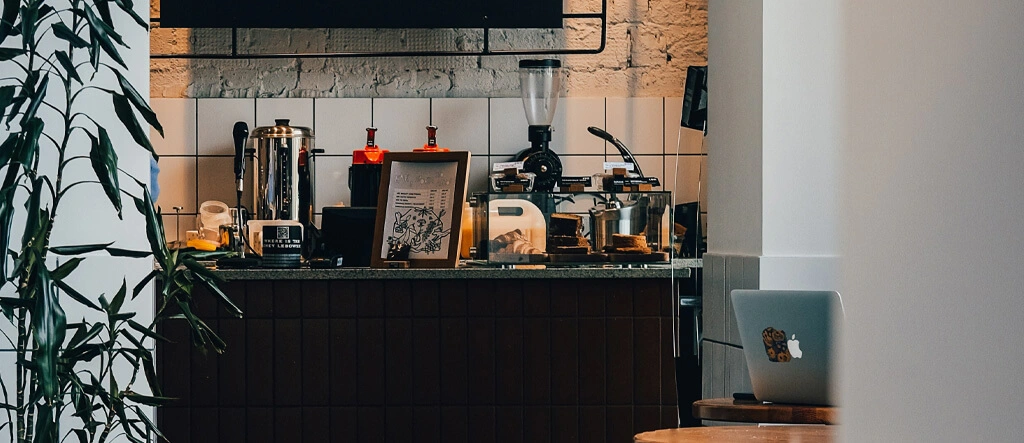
[{"x": 485, "y": 51}]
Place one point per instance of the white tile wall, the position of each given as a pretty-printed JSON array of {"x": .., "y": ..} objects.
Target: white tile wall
[
  {"x": 216, "y": 123},
  {"x": 341, "y": 124},
  {"x": 508, "y": 126},
  {"x": 196, "y": 161},
  {"x": 177, "y": 184},
  {"x": 637, "y": 123},
  {"x": 332, "y": 180},
  {"x": 178, "y": 118},
  {"x": 461, "y": 124},
  {"x": 402, "y": 123},
  {"x": 299, "y": 111},
  {"x": 572, "y": 117}
]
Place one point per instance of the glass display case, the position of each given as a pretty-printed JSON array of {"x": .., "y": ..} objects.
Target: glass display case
[{"x": 570, "y": 228}]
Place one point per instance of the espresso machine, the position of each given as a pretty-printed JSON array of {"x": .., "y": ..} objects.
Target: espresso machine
[{"x": 540, "y": 82}]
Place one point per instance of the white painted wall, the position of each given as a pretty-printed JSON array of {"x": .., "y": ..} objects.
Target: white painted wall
[
  {"x": 86, "y": 216},
  {"x": 734, "y": 127},
  {"x": 799, "y": 164},
  {"x": 933, "y": 207}
]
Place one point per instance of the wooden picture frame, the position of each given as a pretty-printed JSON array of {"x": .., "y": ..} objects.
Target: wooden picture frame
[{"x": 420, "y": 204}]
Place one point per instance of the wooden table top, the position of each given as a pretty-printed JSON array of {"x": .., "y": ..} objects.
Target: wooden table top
[
  {"x": 731, "y": 434},
  {"x": 727, "y": 409}
]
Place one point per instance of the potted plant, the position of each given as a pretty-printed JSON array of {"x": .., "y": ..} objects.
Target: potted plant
[{"x": 53, "y": 54}]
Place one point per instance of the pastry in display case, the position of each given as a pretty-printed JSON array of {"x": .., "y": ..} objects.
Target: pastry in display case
[{"x": 572, "y": 228}]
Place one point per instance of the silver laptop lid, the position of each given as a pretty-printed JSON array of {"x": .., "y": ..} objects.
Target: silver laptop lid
[{"x": 788, "y": 339}]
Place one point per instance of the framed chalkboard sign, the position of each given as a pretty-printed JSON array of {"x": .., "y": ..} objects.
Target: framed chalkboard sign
[{"x": 419, "y": 209}]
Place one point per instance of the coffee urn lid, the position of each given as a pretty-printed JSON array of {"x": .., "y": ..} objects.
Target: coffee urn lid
[{"x": 281, "y": 129}]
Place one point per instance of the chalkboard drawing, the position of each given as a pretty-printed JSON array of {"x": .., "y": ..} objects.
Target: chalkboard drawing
[{"x": 420, "y": 228}]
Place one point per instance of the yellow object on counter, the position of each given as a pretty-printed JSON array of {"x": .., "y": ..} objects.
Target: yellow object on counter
[{"x": 203, "y": 245}]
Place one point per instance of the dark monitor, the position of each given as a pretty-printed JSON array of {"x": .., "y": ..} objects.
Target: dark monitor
[
  {"x": 348, "y": 232},
  {"x": 695, "y": 99}
]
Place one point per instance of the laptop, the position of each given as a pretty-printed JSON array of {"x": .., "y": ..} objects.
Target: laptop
[{"x": 789, "y": 341}]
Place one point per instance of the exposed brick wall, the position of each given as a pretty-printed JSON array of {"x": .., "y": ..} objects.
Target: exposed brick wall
[{"x": 650, "y": 44}]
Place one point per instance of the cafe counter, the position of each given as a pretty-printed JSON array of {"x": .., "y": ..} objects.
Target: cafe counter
[{"x": 453, "y": 355}]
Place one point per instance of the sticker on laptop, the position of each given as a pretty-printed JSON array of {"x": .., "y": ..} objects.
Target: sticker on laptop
[{"x": 778, "y": 348}]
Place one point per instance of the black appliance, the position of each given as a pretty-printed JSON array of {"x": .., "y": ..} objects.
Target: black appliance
[
  {"x": 348, "y": 232},
  {"x": 540, "y": 84},
  {"x": 361, "y": 14}
]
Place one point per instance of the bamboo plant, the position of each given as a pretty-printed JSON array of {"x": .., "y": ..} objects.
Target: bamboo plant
[{"x": 65, "y": 367}]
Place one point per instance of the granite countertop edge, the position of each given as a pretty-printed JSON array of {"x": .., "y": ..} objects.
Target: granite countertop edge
[{"x": 681, "y": 268}]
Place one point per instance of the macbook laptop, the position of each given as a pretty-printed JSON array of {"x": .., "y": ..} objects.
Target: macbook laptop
[{"x": 789, "y": 341}]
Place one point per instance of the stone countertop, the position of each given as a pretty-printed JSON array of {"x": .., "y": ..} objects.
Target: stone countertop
[{"x": 682, "y": 268}]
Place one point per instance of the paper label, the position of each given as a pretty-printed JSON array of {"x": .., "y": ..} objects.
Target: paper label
[
  {"x": 608, "y": 166},
  {"x": 501, "y": 166}
]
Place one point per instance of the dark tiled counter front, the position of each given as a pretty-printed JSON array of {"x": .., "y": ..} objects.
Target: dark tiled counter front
[
  {"x": 488, "y": 356},
  {"x": 652, "y": 271}
]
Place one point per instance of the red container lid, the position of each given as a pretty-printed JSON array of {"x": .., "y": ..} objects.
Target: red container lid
[
  {"x": 431, "y": 145},
  {"x": 370, "y": 154}
]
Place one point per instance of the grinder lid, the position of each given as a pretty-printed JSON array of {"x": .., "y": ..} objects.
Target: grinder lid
[{"x": 281, "y": 129}]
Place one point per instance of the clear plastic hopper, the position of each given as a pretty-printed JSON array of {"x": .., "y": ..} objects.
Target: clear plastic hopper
[{"x": 540, "y": 82}]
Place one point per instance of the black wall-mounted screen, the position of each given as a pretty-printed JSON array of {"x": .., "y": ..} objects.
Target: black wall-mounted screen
[{"x": 361, "y": 14}]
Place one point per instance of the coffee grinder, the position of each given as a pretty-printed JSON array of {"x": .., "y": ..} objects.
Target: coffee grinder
[{"x": 540, "y": 82}]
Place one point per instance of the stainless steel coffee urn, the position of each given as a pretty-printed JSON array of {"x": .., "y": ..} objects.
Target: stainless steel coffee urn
[{"x": 283, "y": 173}]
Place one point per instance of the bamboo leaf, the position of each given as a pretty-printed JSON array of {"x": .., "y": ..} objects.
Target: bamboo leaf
[
  {"x": 6, "y": 218},
  {"x": 65, "y": 61},
  {"x": 35, "y": 101},
  {"x": 121, "y": 316},
  {"x": 129, "y": 8},
  {"x": 48, "y": 330},
  {"x": 83, "y": 336},
  {"x": 6, "y": 96},
  {"x": 9, "y": 53},
  {"x": 15, "y": 302},
  {"x": 79, "y": 249},
  {"x": 118, "y": 252},
  {"x": 76, "y": 296},
  {"x": 28, "y": 143},
  {"x": 104, "y": 36},
  {"x": 94, "y": 52},
  {"x": 104, "y": 164},
  {"x": 61, "y": 31},
  {"x": 149, "y": 424},
  {"x": 34, "y": 225},
  {"x": 82, "y": 436},
  {"x": 139, "y": 102},
  {"x": 149, "y": 400},
  {"x": 124, "y": 112},
  {"x": 66, "y": 269},
  {"x": 154, "y": 229},
  {"x": 118, "y": 300},
  {"x": 10, "y": 14},
  {"x": 26, "y": 87},
  {"x": 104, "y": 9},
  {"x": 147, "y": 332},
  {"x": 142, "y": 283},
  {"x": 46, "y": 427},
  {"x": 29, "y": 16}
]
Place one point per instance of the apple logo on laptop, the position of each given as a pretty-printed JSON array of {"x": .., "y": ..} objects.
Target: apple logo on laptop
[
  {"x": 794, "y": 347},
  {"x": 777, "y": 347}
]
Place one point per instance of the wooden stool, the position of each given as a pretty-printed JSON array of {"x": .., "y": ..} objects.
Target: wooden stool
[
  {"x": 731, "y": 434},
  {"x": 727, "y": 409}
]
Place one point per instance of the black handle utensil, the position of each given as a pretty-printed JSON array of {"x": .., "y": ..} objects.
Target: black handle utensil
[
  {"x": 626, "y": 155},
  {"x": 241, "y": 134}
]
